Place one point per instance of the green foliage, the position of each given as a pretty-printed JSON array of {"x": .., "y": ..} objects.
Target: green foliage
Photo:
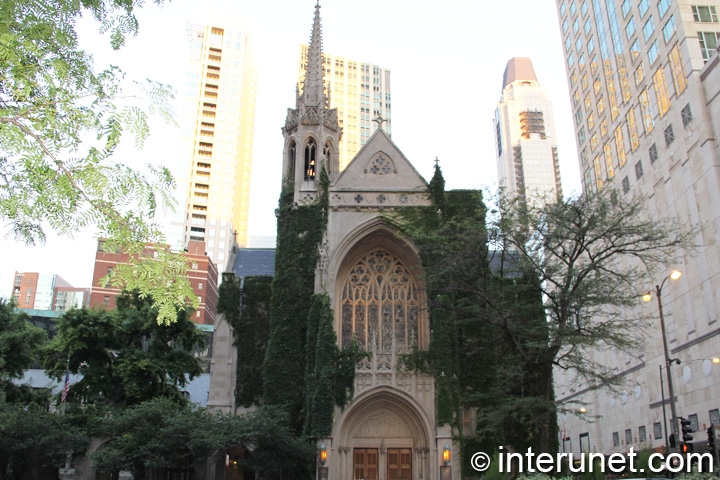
[
  {"x": 251, "y": 335},
  {"x": 153, "y": 434},
  {"x": 60, "y": 124},
  {"x": 300, "y": 232},
  {"x": 124, "y": 356},
  {"x": 20, "y": 341},
  {"x": 33, "y": 442},
  {"x": 321, "y": 387},
  {"x": 158, "y": 433}
]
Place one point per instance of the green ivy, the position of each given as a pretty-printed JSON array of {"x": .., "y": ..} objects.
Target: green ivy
[
  {"x": 300, "y": 231},
  {"x": 471, "y": 356}
]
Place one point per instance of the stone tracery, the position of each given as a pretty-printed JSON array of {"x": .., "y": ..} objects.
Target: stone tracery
[{"x": 380, "y": 304}]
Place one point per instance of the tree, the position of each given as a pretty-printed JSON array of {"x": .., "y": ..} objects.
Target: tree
[
  {"x": 124, "y": 356},
  {"x": 159, "y": 434},
  {"x": 588, "y": 259},
  {"x": 61, "y": 122},
  {"x": 33, "y": 441},
  {"x": 20, "y": 342}
]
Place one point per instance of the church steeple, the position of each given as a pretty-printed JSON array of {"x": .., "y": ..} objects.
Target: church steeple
[
  {"x": 312, "y": 131},
  {"x": 314, "y": 91}
]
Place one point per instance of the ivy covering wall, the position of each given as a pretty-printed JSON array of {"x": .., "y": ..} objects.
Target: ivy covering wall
[
  {"x": 300, "y": 231},
  {"x": 473, "y": 299}
]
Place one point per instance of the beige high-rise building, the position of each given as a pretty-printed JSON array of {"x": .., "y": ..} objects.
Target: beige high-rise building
[
  {"x": 361, "y": 94},
  {"x": 525, "y": 140},
  {"x": 213, "y": 170},
  {"x": 643, "y": 78}
]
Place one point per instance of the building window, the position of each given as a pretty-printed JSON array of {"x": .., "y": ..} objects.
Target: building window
[
  {"x": 632, "y": 130},
  {"x": 620, "y": 145},
  {"x": 598, "y": 173},
  {"x": 581, "y": 136},
  {"x": 584, "y": 156},
  {"x": 704, "y": 14},
  {"x": 646, "y": 111},
  {"x": 616, "y": 439},
  {"x": 663, "y": 6},
  {"x": 638, "y": 170},
  {"x": 568, "y": 42},
  {"x": 626, "y": 184},
  {"x": 661, "y": 91},
  {"x": 607, "y": 152},
  {"x": 648, "y": 28},
  {"x": 596, "y": 85},
  {"x": 583, "y": 9},
  {"x": 630, "y": 28},
  {"x": 628, "y": 436},
  {"x": 600, "y": 105},
  {"x": 642, "y": 434},
  {"x": 106, "y": 300},
  {"x": 669, "y": 29},
  {"x": 708, "y": 43},
  {"x": 714, "y": 416},
  {"x": 591, "y": 44},
  {"x": 676, "y": 68},
  {"x": 593, "y": 142},
  {"x": 694, "y": 425},
  {"x": 570, "y": 60},
  {"x": 578, "y": 116},
  {"x": 657, "y": 430},
  {"x": 653, "y": 52},
  {"x": 197, "y": 313},
  {"x": 669, "y": 136},
  {"x": 576, "y": 25},
  {"x": 603, "y": 128},
  {"x": 591, "y": 121},
  {"x": 380, "y": 304},
  {"x": 200, "y": 286},
  {"x": 635, "y": 49},
  {"x": 643, "y": 7},
  {"x": 639, "y": 75},
  {"x": 653, "y": 152},
  {"x": 686, "y": 115},
  {"x": 194, "y": 266},
  {"x": 625, "y": 7},
  {"x": 584, "y": 81}
]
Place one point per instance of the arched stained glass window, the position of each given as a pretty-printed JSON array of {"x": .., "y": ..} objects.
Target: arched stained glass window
[{"x": 380, "y": 304}]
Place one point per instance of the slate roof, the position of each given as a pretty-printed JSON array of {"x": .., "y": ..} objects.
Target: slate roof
[{"x": 254, "y": 262}]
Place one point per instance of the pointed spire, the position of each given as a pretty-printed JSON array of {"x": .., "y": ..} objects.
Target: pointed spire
[{"x": 313, "y": 91}]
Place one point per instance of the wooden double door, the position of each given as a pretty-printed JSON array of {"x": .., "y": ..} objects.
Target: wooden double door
[{"x": 398, "y": 463}]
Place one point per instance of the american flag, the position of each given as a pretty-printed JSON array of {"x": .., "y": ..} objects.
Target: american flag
[{"x": 66, "y": 388}]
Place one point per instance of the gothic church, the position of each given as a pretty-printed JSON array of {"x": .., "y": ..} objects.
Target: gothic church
[{"x": 374, "y": 280}]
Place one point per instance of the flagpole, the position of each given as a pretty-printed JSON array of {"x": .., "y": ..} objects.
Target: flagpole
[{"x": 66, "y": 386}]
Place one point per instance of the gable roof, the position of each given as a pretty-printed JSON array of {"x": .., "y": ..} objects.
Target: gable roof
[
  {"x": 380, "y": 166},
  {"x": 254, "y": 262}
]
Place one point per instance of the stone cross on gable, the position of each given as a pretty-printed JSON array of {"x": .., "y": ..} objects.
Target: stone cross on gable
[
  {"x": 379, "y": 120},
  {"x": 437, "y": 161}
]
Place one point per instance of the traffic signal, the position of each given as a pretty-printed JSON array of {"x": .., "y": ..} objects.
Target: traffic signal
[
  {"x": 686, "y": 427},
  {"x": 711, "y": 438},
  {"x": 686, "y": 447},
  {"x": 671, "y": 440}
]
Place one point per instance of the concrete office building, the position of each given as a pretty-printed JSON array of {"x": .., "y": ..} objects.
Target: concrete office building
[
  {"x": 525, "y": 140},
  {"x": 213, "y": 170},
  {"x": 645, "y": 90},
  {"x": 361, "y": 94}
]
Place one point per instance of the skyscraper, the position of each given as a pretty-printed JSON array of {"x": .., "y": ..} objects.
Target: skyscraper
[
  {"x": 360, "y": 92},
  {"x": 213, "y": 170},
  {"x": 525, "y": 141},
  {"x": 646, "y": 119}
]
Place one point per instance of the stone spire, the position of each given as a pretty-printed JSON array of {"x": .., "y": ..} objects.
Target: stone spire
[{"x": 314, "y": 91}]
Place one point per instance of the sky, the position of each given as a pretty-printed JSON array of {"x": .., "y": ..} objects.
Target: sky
[{"x": 446, "y": 61}]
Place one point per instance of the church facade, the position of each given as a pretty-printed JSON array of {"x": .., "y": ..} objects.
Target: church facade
[{"x": 375, "y": 282}]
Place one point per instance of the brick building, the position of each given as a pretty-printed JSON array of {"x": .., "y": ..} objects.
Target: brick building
[{"x": 202, "y": 273}]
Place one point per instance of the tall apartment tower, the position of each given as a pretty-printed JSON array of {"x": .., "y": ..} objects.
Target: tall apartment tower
[
  {"x": 213, "y": 169},
  {"x": 525, "y": 141},
  {"x": 643, "y": 78},
  {"x": 361, "y": 94}
]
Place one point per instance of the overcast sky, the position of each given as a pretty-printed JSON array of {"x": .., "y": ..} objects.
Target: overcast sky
[{"x": 446, "y": 60}]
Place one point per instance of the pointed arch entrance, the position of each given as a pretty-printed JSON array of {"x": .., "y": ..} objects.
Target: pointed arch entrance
[{"x": 384, "y": 435}]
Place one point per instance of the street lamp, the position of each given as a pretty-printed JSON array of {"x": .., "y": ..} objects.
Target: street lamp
[{"x": 674, "y": 275}]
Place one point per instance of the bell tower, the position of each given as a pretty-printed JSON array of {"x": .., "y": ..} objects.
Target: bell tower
[{"x": 311, "y": 132}]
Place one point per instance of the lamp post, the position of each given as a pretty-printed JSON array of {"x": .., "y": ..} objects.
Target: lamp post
[{"x": 668, "y": 361}]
